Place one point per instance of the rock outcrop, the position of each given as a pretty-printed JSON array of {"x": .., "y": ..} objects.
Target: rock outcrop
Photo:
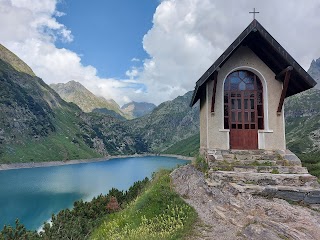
[
  {"x": 228, "y": 212},
  {"x": 314, "y": 71}
]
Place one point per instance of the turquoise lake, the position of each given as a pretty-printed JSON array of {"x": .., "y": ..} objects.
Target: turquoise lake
[{"x": 33, "y": 194}]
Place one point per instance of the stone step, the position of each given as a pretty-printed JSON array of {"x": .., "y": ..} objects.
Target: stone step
[
  {"x": 260, "y": 169},
  {"x": 247, "y": 157},
  {"x": 229, "y": 157},
  {"x": 251, "y": 157},
  {"x": 308, "y": 195},
  {"x": 252, "y": 162},
  {"x": 263, "y": 179},
  {"x": 250, "y": 152},
  {"x": 271, "y": 169},
  {"x": 255, "y": 157}
]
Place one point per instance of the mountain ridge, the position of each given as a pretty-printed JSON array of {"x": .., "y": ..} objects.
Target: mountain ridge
[
  {"x": 7, "y": 56},
  {"x": 36, "y": 124},
  {"x": 75, "y": 92},
  {"x": 137, "y": 109}
]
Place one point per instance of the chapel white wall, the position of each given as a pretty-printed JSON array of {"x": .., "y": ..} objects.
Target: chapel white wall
[{"x": 212, "y": 132}]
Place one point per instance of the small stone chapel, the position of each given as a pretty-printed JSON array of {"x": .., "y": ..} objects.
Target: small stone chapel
[{"x": 242, "y": 94}]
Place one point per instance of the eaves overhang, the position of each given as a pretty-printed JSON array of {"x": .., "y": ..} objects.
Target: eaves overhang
[{"x": 269, "y": 51}]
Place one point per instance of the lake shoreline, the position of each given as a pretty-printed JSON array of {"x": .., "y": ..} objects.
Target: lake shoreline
[{"x": 11, "y": 166}]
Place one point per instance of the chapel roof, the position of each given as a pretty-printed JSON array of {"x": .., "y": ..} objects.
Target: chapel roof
[{"x": 269, "y": 51}]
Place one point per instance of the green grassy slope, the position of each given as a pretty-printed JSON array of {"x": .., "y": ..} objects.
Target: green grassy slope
[
  {"x": 303, "y": 128},
  {"x": 303, "y": 121},
  {"x": 60, "y": 145},
  {"x": 187, "y": 147},
  {"x": 167, "y": 124},
  {"x": 159, "y": 213}
]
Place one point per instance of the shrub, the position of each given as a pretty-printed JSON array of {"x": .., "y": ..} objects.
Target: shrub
[
  {"x": 19, "y": 232},
  {"x": 113, "y": 205},
  {"x": 201, "y": 164}
]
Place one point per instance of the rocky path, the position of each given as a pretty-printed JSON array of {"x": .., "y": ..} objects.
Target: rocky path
[{"x": 226, "y": 213}]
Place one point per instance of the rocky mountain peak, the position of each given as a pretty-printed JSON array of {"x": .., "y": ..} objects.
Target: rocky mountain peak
[
  {"x": 75, "y": 92},
  {"x": 71, "y": 87},
  {"x": 314, "y": 71}
]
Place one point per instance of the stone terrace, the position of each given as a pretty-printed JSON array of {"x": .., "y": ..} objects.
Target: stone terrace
[{"x": 266, "y": 173}]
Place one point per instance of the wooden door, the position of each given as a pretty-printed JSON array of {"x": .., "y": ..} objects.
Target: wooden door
[{"x": 243, "y": 109}]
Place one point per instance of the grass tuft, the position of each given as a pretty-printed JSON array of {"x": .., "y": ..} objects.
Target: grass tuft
[{"x": 201, "y": 164}]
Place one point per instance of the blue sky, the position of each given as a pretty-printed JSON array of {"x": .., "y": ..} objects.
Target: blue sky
[
  {"x": 108, "y": 34},
  {"x": 94, "y": 42}
]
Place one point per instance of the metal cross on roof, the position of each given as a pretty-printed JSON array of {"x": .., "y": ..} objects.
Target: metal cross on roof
[{"x": 254, "y": 13}]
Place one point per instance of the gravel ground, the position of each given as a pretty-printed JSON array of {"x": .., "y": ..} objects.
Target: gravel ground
[{"x": 227, "y": 214}]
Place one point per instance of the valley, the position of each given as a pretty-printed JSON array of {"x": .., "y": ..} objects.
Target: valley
[{"x": 38, "y": 125}]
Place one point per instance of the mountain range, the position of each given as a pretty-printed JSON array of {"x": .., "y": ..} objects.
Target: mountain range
[
  {"x": 36, "y": 124},
  {"x": 75, "y": 92},
  {"x": 137, "y": 109}
]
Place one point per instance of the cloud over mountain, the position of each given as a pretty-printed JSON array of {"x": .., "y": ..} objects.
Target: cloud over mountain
[
  {"x": 188, "y": 36},
  {"x": 185, "y": 39}
]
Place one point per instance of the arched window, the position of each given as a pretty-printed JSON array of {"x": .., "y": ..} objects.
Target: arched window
[{"x": 243, "y": 101}]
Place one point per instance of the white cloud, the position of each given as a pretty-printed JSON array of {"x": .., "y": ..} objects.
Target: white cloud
[
  {"x": 59, "y": 14},
  {"x": 135, "y": 60},
  {"x": 133, "y": 73},
  {"x": 32, "y": 35},
  {"x": 187, "y": 36},
  {"x": 43, "y": 6}
]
